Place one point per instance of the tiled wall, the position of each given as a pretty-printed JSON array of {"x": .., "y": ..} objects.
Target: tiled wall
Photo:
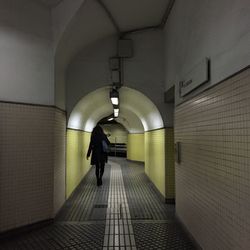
[
  {"x": 27, "y": 163},
  {"x": 59, "y": 160},
  {"x": 155, "y": 158},
  {"x": 170, "y": 167},
  {"x": 213, "y": 178},
  {"x": 77, "y": 165},
  {"x": 135, "y": 147}
]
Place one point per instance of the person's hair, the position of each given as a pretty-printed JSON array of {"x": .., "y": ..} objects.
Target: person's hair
[{"x": 97, "y": 131}]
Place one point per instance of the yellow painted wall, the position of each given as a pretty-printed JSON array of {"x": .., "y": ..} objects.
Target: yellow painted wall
[
  {"x": 155, "y": 158},
  {"x": 135, "y": 147},
  {"x": 77, "y": 165},
  {"x": 118, "y": 134}
]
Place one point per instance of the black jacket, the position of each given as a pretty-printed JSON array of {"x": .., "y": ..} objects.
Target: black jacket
[{"x": 96, "y": 148}]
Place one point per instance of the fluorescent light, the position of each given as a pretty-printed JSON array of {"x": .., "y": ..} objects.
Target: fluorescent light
[
  {"x": 114, "y": 100},
  {"x": 116, "y": 112},
  {"x": 111, "y": 119},
  {"x": 114, "y": 96}
]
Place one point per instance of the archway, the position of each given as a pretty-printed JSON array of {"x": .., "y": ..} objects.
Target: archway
[{"x": 138, "y": 114}]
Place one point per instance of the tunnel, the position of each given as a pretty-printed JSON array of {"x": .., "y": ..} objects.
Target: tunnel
[
  {"x": 166, "y": 84},
  {"x": 140, "y": 118}
]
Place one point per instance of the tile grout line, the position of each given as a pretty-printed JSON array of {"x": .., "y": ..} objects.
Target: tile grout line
[{"x": 118, "y": 229}]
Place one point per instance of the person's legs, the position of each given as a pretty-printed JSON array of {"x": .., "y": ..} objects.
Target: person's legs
[{"x": 101, "y": 171}]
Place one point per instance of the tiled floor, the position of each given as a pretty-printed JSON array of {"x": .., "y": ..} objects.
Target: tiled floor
[
  {"x": 119, "y": 229},
  {"x": 126, "y": 212}
]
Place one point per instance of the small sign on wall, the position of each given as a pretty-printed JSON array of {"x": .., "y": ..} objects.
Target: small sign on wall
[{"x": 196, "y": 77}]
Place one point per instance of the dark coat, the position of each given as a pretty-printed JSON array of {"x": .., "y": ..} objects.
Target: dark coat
[{"x": 96, "y": 148}]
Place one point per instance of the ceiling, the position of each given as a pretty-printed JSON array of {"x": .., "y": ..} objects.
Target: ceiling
[
  {"x": 131, "y": 14},
  {"x": 97, "y": 19},
  {"x": 50, "y": 3},
  {"x": 137, "y": 113}
]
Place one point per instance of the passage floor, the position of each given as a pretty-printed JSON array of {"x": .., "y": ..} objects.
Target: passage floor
[{"x": 126, "y": 212}]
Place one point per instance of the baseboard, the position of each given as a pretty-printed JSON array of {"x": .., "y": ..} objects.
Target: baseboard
[
  {"x": 25, "y": 229},
  {"x": 139, "y": 162}
]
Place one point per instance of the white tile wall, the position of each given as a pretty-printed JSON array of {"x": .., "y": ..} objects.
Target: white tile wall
[
  {"x": 26, "y": 164},
  {"x": 213, "y": 179},
  {"x": 59, "y": 159}
]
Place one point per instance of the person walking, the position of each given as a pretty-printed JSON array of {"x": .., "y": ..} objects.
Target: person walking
[{"x": 98, "y": 146}]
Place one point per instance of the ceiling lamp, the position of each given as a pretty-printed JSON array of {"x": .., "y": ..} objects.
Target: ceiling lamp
[
  {"x": 114, "y": 96},
  {"x": 116, "y": 112}
]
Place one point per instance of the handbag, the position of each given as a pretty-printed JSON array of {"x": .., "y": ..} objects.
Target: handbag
[{"x": 105, "y": 147}]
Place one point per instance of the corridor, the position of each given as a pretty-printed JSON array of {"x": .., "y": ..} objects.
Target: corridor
[
  {"x": 126, "y": 212},
  {"x": 168, "y": 81}
]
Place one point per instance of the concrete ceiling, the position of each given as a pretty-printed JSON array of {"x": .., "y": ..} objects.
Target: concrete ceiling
[
  {"x": 96, "y": 19},
  {"x": 131, "y": 14},
  {"x": 50, "y": 3},
  {"x": 137, "y": 113}
]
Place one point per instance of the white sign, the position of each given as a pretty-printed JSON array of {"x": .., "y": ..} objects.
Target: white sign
[{"x": 195, "y": 78}]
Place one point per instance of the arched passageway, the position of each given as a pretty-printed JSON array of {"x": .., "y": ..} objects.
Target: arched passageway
[
  {"x": 145, "y": 140},
  {"x": 53, "y": 52}
]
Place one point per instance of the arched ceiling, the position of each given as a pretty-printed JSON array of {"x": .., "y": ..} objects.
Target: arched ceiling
[
  {"x": 96, "y": 19},
  {"x": 89, "y": 24},
  {"x": 131, "y": 14},
  {"x": 137, "y": 112},
  {"x": 50, "y": 3}
]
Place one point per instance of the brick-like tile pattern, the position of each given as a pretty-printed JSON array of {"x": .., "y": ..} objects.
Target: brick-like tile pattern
[
  {"x": 59, "y": 159},
  {"x": 144, "y": 201},
  {"x": 155, "y": 156},
  {"x": 80, "y": 206},
  {"x": 213, "y": 178},
  {"x": 59, "y": 236},
  {"x": 161, "y": 235},
  {"x": 135, "y": 147},
  {"x": 27, "y": 164},
  {"x": 108, "y": 216}
]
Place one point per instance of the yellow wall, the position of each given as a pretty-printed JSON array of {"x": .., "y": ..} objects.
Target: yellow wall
[
  {"x": 77, "y": 165},
  {"x": 155, "y": 158},
  {"x": 118, "y": 134},
  {"x": 135, "y": 147}
]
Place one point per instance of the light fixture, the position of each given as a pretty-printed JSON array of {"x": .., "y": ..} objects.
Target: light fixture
[
  {"x": 116, "y": 112},
  {"x": 114, "y": 96},
  {"x": 111, "y": 119}
]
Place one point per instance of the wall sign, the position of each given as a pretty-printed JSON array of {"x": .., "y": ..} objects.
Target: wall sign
[{"x": 196, "y": 77}]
